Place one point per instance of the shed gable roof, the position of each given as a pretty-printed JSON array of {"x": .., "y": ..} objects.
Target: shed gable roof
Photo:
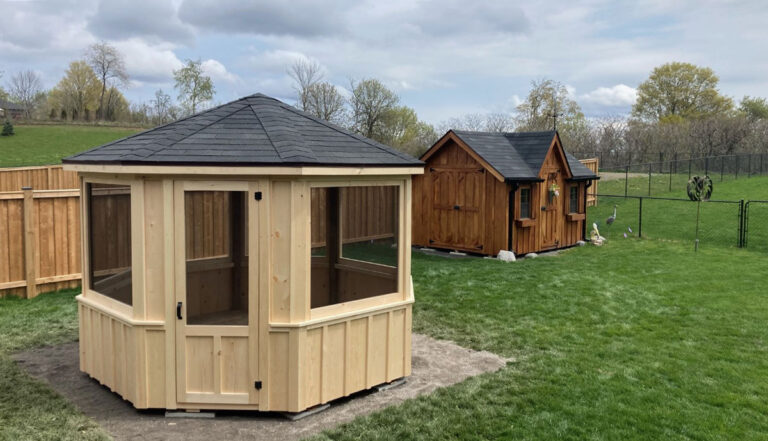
[
  {"x": 254, "y": 130},
  {"x": 518, "y": 155}
]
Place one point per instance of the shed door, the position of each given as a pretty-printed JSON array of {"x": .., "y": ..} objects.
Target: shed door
[
  {"x": 216, "y": 294},
  {"x": 458, "y": 204},
  {"x": 552, "y": 216}
]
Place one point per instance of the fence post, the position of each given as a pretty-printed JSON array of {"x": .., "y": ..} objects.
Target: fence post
[
  {"x": 689, "y": 168},
  {"x": 670, "y": 177},
  {"x": 737, "y": 166},
  {"x": 741, "y": 224},
  {"x": 722, "y": 167},
  {"x": 640, "y": 219},
  {"x": 706, "y": 166},
  {"x": 650, "y": 167},
  {"x": 626, "y": 180},
  {"x": 30, "y": 231},
  {"x": 749, "y": 165}
]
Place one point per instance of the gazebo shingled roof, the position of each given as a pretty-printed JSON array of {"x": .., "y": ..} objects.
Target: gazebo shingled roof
[{"x": 254, "y": 130}]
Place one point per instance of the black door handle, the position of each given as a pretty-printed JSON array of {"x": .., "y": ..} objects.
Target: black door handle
[
  {"x": 456, "y": 207},
  {"x": 178, "y": 310}
]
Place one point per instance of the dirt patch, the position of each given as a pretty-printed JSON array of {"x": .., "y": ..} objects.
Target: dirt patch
[{"x": 435, "y": 364}]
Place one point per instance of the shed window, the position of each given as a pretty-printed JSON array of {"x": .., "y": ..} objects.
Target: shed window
[
  {"x": 525, "y": 203},
  {"x": 109, "y": 239},
  {"x": 573, "y": 205},
  {"x": 354, "y": 243}
]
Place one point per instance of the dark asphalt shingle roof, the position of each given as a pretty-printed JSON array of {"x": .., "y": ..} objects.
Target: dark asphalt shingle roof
[
  {"x": 518, "y": 155},
  {"x": 254, "y": 130},
  {"x": 8, "y": 105}
]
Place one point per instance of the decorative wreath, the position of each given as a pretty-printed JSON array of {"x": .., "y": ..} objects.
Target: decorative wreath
[{"x": 699, "y": 188}]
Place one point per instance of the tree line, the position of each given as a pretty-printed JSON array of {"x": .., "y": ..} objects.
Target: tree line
[
  {"x": 91, "y": 91},
  {"x": 679, "y": 111}
]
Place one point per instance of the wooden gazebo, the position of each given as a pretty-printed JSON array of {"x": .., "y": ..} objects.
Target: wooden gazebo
[
  {"x": 248, "y": 257},
  {"x": 485, "y": 192}
]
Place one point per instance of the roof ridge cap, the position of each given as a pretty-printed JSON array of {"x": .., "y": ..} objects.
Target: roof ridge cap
[{"x": 278, "y": 152}]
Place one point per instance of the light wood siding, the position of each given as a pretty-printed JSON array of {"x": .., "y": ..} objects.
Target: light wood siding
[
  {"x": 128, "y": 359},
  {"x": 459, "y": 204},
  {"x": 350, "y": 355}
]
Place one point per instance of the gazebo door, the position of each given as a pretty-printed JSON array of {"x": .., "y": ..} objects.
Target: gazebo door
[{"x": 216, "y": 299}]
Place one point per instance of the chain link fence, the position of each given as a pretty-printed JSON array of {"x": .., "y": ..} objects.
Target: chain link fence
[
  {"x": 720, "y": 223},
  {"x": 664, "y": 177}
]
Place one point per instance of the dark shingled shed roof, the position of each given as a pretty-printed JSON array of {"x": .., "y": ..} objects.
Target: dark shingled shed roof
[
  {"x": 255, "y": 130},
  {"x": 518, "y": 156}
]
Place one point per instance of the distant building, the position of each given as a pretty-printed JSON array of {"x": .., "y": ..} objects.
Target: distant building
[{"x": 9, "y": 110}]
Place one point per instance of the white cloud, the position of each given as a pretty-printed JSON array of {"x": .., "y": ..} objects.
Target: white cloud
[
  {"x": 147, "y": 63},
  {"x": 619, "y": 95},
  {"x": 217, "y": 71}
]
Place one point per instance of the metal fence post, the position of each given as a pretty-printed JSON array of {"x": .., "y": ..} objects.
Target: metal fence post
[
  {"x": 741, "y": 224},
  {"x": 650, "y": 167},
  {"x": 722, "y": 167},
  {"x": 640, "y": 219},
  {"x": 706, "y": 166},
  {"x": 670, "y": 176},
  {"x": 749, "y": 165},
  {"x": 690, "y": 161},
  {"x": 626, "y": 180}
]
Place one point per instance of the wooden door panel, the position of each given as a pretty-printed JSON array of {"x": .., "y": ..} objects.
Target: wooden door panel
[{"x": 458, "y": 202}]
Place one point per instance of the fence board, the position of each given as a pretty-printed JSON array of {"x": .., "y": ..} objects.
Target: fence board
[
  {"x": 48, "y": 177},
  {"x": 592, "y": 164}
]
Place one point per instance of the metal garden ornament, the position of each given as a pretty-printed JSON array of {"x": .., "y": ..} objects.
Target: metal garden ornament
[{"x": 699, "y": 189}]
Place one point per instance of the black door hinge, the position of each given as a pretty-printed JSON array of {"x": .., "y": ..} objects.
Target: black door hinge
[
  {"x": 257, "y": 195},
  {"x": 257, "y": 385},
  {"x": 431, "y": 241}
]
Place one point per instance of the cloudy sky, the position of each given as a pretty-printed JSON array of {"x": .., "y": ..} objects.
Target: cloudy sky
[{"x": 444, "y": 58}]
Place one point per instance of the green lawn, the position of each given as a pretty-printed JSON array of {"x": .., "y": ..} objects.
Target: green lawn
[
  {"x": 635, "y": 340},
  {"x": 28, "y": 408},
  {"x": 638, "y": 339},
  {"x": 47, "y": 144},
  {"x": 675, "y": 220}
]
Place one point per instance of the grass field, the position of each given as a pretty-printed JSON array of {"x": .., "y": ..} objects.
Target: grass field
[
  {"x": 639, "y": 339},
  {"x": 675, "y": 220},
  {"x": 47, "y": 144},
  {"x": 28, "y": 408},
  {"x": 634, "y": 340}
]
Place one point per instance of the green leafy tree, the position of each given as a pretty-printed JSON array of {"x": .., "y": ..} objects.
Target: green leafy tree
[
  {"x": 369, "y": 103},
  {"x": 193, "y": 85},
  {"x": 402, "y": 129},
  {"x": 754, "y": 108},
  {"x": 679, "y": 91},
  {"x": 77, "y": 93},
  {"x": 547, "y": 98}
]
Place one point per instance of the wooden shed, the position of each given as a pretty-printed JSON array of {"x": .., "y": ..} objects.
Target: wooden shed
[
  {"x": 248, "y": 257},
  {"x": 485, "y": 192}
]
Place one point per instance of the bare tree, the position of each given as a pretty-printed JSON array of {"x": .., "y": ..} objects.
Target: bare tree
[
  {"x": 24, "y": 89},
  {"x": 324, "y": 101},
  {"x": 305, "y": 74},
  {"x": 108, "y": 64},
  {"x": 498, "y": 122},
  {"x": 478, "y": 122},
  {"x": 161, "y": 106}
]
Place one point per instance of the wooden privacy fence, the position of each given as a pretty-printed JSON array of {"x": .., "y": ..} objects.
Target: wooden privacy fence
[
  {"x": 49, "y": 177},
  {"x": 592, "y": 164},
  {"x": 39, "y": 241}
]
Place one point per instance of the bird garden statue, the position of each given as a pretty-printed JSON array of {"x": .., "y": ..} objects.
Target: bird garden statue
[
  {"x": 699, "y": 189},
  {"x": 595, "y": 236},
  {"x": 612, "y": 217}
]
